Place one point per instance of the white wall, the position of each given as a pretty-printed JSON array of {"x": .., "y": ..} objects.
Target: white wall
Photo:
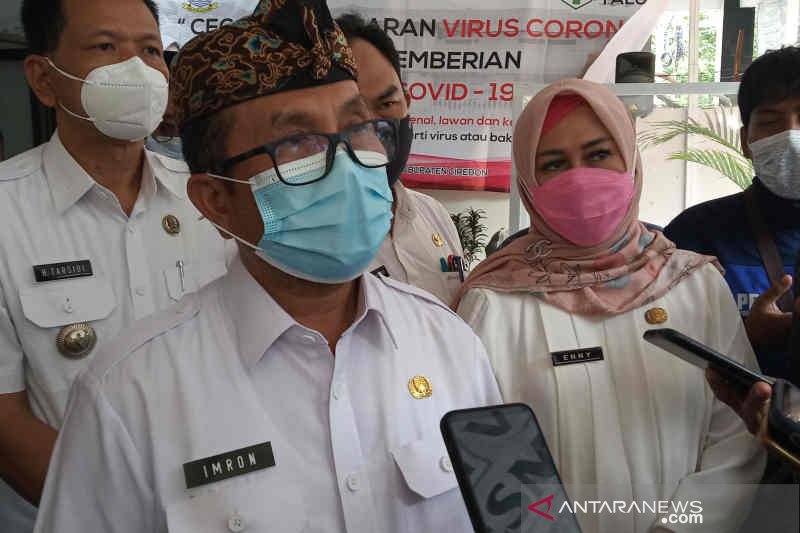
[
  {"x": 663, "y": 190},
  {"x": 672, "y": 186}
]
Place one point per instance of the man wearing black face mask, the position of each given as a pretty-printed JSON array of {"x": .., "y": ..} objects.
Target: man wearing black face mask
[
  {"x": 166, "y": 140},
  {"x": 422, "y": 233}
]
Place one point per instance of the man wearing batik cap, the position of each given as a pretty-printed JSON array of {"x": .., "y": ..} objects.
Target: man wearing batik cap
[{"x": 296, "y": 393}]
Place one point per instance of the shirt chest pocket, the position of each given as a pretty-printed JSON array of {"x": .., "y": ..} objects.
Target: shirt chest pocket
[
  {"x": 63, "y": 318},
  {"x": 449, "y": 284},
  {"x": 251, "y": 503},
  {"x": 425, "y": 467},
  {"x": 68, "y": 302},
  {"x": 185, "y": 278}
]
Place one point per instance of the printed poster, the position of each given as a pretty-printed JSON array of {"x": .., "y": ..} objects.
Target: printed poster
[{"x": 463, "y": 62}]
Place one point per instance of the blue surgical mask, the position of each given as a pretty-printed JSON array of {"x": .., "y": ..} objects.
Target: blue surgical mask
[
  {"x": 327, "y": 231},
  {"x": 172, "y": 148}
]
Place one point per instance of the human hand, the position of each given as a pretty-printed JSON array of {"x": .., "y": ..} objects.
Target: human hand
[
  {"x": 767, "y": 326},
  {"x": 752, "y": 406}
]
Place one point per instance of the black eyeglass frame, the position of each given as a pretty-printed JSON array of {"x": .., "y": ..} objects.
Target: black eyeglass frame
[{"x": 334, "y": 140}]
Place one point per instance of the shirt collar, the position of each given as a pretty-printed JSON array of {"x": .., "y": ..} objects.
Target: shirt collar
[
  {"x": 69, "y": 182},
  {"x": 67, "y": 179},
  {"x": 403, "y": 207},
  {"x": 258, "y": 321},
  {"x": 372, "y": 303},
  {"x": 169, "y": 173}
]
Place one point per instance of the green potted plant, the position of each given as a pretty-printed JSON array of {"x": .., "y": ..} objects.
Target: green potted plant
[
  {"x": 472, "y": 233},
  {"x": 726, "y": 158}
]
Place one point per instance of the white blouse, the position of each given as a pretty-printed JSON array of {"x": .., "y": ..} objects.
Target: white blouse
[{"x": 641, "y": 424}]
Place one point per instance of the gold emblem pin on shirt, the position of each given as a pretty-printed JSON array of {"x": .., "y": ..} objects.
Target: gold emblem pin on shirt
[
  {"x": 656, "y": 315},
  {"x": 437, "y": 240},
  {"x": 171, "y": 224},
  {"x": 75, "y": 341},
  {"x": 419, "y": 387}
]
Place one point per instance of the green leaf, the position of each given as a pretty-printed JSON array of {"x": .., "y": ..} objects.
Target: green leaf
[
  {"x": 471, "y": 232},
  {"x": 732, "y": 166},
  {"x": 664, "y": 132},
  {"x": 721, "y": 128}
]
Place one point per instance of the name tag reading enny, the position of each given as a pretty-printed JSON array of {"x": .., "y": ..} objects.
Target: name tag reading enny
[{"x": 581, "y": 355}]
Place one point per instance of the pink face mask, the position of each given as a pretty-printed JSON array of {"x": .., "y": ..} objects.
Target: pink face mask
[{"x": 584, "y": 205}]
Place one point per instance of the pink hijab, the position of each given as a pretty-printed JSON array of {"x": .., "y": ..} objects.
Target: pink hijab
[{"x": 632, "y": 268}]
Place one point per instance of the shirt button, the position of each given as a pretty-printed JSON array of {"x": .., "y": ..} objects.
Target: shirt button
[
  {"x": 68, "y": 307},
  {"x": 236, "y": 524},
  {"x": 445, "y": 464},
  {"x": 353, "y": 482},
  {"x": 140, "y": 290},
  {"x": 339, "y": 391},
  {"x": 307, "y": 339},
  {"x": 131, "y": 229}
]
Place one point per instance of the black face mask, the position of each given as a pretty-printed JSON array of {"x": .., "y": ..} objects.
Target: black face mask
[{"x": 404, "y": 138}]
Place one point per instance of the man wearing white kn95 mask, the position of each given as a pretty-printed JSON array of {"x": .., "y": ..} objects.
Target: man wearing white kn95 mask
[{"x": 96, "y": 232}]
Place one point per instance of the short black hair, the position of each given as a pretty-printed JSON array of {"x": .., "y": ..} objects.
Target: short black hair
[
  {"x": 355, "y": 26},
  {"x": 203, "y": 141},
  {"x": 44, "y": 21},
  {"x": 169, "y": 57},
  {"x": 771, "y": 78}
]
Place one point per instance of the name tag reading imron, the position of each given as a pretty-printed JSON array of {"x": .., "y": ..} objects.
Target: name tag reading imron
[{"x": 227, "y": 465}]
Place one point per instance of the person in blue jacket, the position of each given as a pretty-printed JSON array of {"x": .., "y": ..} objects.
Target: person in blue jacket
[{"x": 742, "y": 230}]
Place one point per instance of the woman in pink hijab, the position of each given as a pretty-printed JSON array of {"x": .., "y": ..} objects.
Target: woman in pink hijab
[{"x": 562, "y": 311}]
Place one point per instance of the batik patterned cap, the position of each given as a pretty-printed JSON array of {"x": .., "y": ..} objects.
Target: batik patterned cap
[{"x": 284, "y": 45}]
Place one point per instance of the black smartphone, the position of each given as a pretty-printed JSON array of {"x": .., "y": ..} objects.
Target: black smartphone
[
  {"x": 505, "y": 471},
  {"x": 783, "y": 422},
  {"x": 794, "y": 337},
  {"x": 701, "y": 355}
]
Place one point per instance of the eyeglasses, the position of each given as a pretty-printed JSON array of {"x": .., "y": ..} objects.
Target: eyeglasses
[
  {"x": 308, "y": 157},
  {"x": 166, "y": 132}
]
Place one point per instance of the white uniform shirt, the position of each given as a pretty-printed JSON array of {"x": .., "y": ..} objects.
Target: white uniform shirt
[
  {"x": 421, "y": 235},
  {"x": 54, "y": 212},
  {"x": 228, "y": 368},
  {"x": 641, "y": 424}
]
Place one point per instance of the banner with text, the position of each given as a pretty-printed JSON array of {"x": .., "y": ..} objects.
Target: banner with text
[
  {"x": 182, "y": 20},
  {"x": 462, "y": 63}
]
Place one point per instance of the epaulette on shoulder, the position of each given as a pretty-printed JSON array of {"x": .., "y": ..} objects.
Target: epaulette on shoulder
[
  {"x": 144, "y": 331},
  {"x": 21, "y": 165},
  {"x": 414, "y": 291},
  {"x": 170, "y": 163}
]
